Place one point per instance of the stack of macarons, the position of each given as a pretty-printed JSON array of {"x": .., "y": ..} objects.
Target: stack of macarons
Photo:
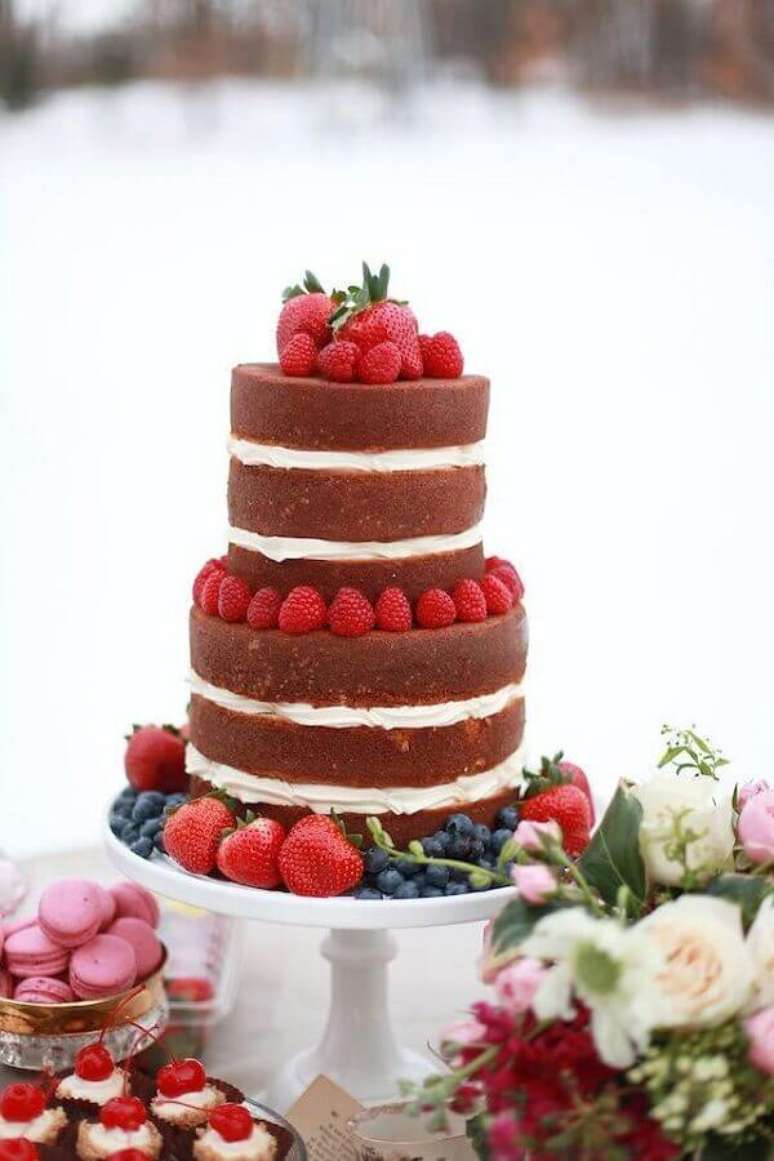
[{"x": 85, "y": 943}]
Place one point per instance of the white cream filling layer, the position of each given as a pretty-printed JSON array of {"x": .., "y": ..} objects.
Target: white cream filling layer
[
  {"x": 99, "y": 1092},
  {"x": 309, "y": 548},
  {"x": 41, "y": 1130},
  {"x": 260, "y": 1145},
  {"x": 394, "y": 717},
  {"x": 109, "y": 1141},
  {"x": 179, "y": 1108},
  {"x": 321, "y": 799},
  {"x": 399, "y": 460}
]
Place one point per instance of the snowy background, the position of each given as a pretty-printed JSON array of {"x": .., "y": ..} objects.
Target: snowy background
[{"x": 611, "y": 271}]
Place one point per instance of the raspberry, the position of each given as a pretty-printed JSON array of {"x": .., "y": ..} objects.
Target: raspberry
[
  {"x": 299, "y": 357},
  {"x": 263, "y": 610},
  {"x": 441, "y": 356},
  {"x": 498, "y": 597},
  {"x": 393, "y": 611},
  {"x": 302, "y": 611},
  {"x": 435, "y": 609},
  {"x": 351, "y": 614},
  {"x": 381, "y": 364},
  {"x": 204, "y": 572},
  {"x": 469, "y": 601},
  {"x": 233, "y": 599},
  {"x": 338, "y": 361},
  {"x": 208, "y": 600},
  {"x": 510, "y": 578}
]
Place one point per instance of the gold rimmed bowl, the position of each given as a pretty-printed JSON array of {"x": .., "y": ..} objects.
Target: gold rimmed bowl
[{"x": 48, "y": 1036}]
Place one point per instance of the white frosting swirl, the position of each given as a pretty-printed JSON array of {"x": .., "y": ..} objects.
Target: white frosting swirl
[
  {"x": 259, "y": 1146},
  {"x": 180, "y": 1107},
  {"x": 391, "y": 717},
  {"x": 321, "y": 799},
  {"x": 309, "y": 548},
  {"x": 399, "y": 460},
  {"x": 108, "y": 1141},
  {"x": 99, "y": 1092},
  {"x": 42, "y": 1130}
]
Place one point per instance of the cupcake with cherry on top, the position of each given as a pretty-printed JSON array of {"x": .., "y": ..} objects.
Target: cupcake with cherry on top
[
  {"x": 18, "y": 1149},
  {"x": 95, "y": 1081},
  {"x": 123, "y": 1124},
  {"x": 184, "y": 1096},
  {"x": 233, "y": 1135},
  {"x": 24, "y": 1112}
]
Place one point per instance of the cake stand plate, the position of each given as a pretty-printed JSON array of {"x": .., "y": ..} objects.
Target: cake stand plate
[{"x": 359, "y": 1049}]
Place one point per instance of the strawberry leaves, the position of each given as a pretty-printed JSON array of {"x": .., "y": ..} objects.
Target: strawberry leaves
[
  {"x": 311, "y": 285},
  {"x": 358, "y": 298}
]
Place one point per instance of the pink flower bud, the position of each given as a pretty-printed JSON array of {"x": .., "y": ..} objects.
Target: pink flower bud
[
  {"x": 749, "y": 790},
  {"x": 527, "y": 834},
  {"x": 756, "y": 827},
  {"x": 760, "y": 1033},
  {"x": 517, "y": 984},
  {"x": 535, "y": 882}
]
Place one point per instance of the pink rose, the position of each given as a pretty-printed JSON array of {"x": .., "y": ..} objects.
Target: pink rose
[
  {"x": 749, "y": 790},
  {"x": 756, "y": 827},
  {"x": 760, "y": 1033},
  {"x": 517, "y": 984},
  {"x": 527, "y": 834},
  {"x": 535, "y": 882}
]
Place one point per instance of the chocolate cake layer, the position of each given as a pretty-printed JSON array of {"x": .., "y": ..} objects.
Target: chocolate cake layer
[
  {"x": 351, "y": 506},
  {"x": 269, "y": 407},
  {"x": 402, "y": 827},
  {"x": 414, "y": 574},
  {"x": 361, "y": 756},
  {"x": 379, "y": 669}
]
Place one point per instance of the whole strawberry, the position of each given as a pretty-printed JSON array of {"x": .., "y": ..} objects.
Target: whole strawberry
[
  {"x": 250, "y": 854},
  {"x": 578, "y": 778},
  {"x": 306, "y": 311},
  {"x": 193, "y": 833},
  {"x": 318, "y": 860},
  {"x": 368, "y": 318},
  {"x": 155, "y": 759},
  {"x": 550, "y": 796}
]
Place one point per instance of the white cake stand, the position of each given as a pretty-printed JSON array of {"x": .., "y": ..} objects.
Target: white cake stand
[{"x": 359, "y": 1049}]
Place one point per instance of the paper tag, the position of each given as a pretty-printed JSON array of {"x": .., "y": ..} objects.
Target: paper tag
[{"x": 320, "y": 1115}]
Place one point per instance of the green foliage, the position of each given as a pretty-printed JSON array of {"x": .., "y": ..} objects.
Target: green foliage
[
  {"x": 476, "y": 1132},
  {"x": 748, "y": 891},
  {"x": 612, "y": 862},
  {"x": 687, "y": 750},
  {"x": 516, "y": 921}
]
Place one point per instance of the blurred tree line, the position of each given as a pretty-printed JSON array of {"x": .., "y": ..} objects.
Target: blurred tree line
[{"x": 657, "y": 49}]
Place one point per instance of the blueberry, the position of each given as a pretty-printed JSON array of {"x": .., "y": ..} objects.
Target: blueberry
[
  {"x": 460, "y": 847},
  {"x": 129, "y": 833},
  {"x": 420, "y": 881},
  {"x": 117, "y": 823},
  {"x": 477, "y": 850},
  {"x": 459, "y": 824},
  {"x": 436, "y": 876},
  {"x": 123, "y": 807},
  {"x": 431, "y": 893},
  {"x": 389, "y": 880},
  {"x": 367, "y": 893},
  {"x": 148, "y": 805},
  {"x": 159, "y": 843},
  {"x": 375, "y": 861},
  {"x": 151, "y": 828},
  {"x": 456, "y": 889},
  {"x": 482, "y": 833},
  {"x": 174, "y": 800},
  {"x": 499, "y": 839},
  {"x": 407, "y": 869},
  {"x": 407, "y": 890},
  {"x": 509, "y": 817},
  {"x": 142, "y": 847},
  {"x": 458, "y": 876},
  {"x": 433, "y": 848},
  {"x": 128, "y": 793},
  {"x": 487, "y": 863}
]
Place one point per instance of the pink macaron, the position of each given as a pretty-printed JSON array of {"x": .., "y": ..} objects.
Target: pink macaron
[
  {"x": 19, "y": 924},
  {"x": 143, "y": 939},
  {"x": 102, "y": 967},
  {"x": 29, "y": 952},
  {"x": 108, "y": 905},
  {"x": 43, "y": 990},
  {"x": 134, "y": 902},
  {"x": 71, "y": 911}
]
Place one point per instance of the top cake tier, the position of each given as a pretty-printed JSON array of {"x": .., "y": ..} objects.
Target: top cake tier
[{"x": 336, "y": 484}]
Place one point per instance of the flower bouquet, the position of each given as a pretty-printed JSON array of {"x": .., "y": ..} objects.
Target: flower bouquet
[{"x": 633, "y": 1009}]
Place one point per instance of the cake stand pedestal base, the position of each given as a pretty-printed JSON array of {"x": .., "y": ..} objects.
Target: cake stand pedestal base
[{"x": 358, "y": 1050}]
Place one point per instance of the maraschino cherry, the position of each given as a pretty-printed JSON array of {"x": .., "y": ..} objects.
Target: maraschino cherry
[
  {"x": 18, "y": 1149},
  {"x": 94, "y": 1063},
  {"x": 22, "y": 1102},
  {"x": 233, "y": 1122},
  {"x": 125, "y": 1112},
  {"x": 181, "y": 1076}
]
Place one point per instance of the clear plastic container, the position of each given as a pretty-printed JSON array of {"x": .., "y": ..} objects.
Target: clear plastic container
[{"x": 204, "y": 957}]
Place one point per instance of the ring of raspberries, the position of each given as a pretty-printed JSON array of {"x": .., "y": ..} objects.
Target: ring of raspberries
[
  {"x": 359, "y": 335},
  {"x": 219, "y": 593}
]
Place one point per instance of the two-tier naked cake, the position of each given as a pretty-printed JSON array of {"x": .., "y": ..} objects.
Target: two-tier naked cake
[{"x": 373, "y": 487}]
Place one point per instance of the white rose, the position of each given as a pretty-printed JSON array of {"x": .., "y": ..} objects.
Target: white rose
[
  {"x": 760, "y": 942},
  {"x": 667, "y": 798},
  {"x": 708, "y": 974}
]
